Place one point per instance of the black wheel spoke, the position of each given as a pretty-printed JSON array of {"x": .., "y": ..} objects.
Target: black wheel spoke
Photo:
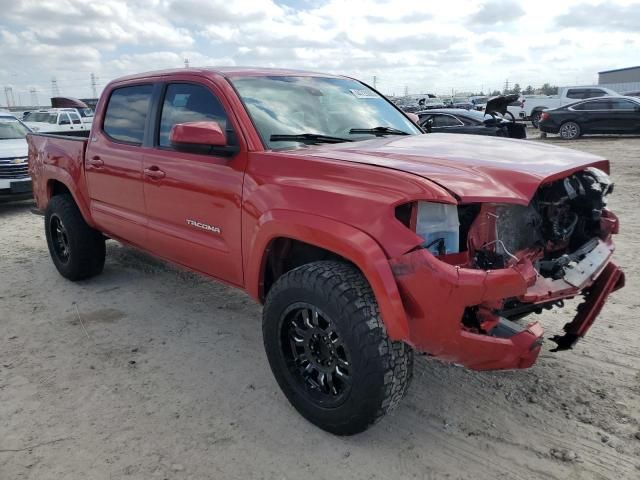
[{"x": 316, "y": 355}]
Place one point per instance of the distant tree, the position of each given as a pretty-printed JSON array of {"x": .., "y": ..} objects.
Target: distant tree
[
  {"x": 516, "y": 89},
  {"x": 547, "y": 89},
  {"x": 529, "y": 90},
  {"x": 495, "y": 92}
]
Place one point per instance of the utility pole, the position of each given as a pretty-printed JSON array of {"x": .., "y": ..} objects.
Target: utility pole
[
  {"x": 186, "y": 63},
  {"x": 8, "y": 93},
  {"x": 406, "y": 90},
  {"x": 93, "y": 85},
  {"x": 55, "y": 91},
  {"x": 34, "y": 96},
  {"x": 375, "y": 82},
  {"x": 506, "y": 85}
]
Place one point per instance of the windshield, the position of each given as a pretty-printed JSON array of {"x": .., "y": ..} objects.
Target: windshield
[
  {"x": 85, "y": 112},
  {"x": 480, "y": 100},
  {"x": 12, "y": 129},
  {"x": 43, "y": 117},
  {"x": 316, "y": 105}
]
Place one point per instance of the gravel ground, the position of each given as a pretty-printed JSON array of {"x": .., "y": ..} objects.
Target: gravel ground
[{"x": 150, "y": 372}]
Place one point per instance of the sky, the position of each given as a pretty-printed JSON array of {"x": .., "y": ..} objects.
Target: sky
[{"x": 420, "y": 46}]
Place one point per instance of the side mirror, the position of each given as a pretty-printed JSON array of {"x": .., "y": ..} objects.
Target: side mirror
[
  {"x": 198, "y": 134},
  {"x": 413, "y": 117}
]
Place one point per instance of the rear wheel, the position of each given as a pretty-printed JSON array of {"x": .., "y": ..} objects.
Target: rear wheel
[
  {"x": 535, "y": 118},
  {"x": 329, "y": 351},
  {"x": 77, "y": 250},
  {"x": 569, "y": 130}
]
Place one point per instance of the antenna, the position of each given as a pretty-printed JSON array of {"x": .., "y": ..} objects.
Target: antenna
[{"x": 55, "y": 91}]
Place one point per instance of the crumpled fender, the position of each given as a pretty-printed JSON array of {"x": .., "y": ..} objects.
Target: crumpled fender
[{"x": 342, "y": 239}]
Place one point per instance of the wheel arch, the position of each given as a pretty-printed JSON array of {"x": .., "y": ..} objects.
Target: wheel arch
[
  {"x": 63, "y": 184},
  {"x": 329, "y": 237}
]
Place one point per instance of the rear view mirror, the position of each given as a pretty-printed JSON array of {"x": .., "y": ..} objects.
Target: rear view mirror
[{"x": 198, "y": 133}]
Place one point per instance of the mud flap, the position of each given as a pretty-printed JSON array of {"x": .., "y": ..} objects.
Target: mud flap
[{"x": 610, "y": 280}]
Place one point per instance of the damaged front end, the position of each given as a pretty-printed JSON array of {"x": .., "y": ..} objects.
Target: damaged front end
[{"x": 464, "y": 304}]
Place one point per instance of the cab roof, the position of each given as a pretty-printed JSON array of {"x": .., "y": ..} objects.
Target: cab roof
[{"x": 229, "y": 72}]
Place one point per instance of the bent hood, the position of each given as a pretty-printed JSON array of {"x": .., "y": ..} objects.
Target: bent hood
[{"x": 474, "y": 168}]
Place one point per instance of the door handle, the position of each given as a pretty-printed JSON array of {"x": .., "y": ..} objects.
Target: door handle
[
  {"x": 154, "y": 172},
  {"x": 96, "y": 162}
]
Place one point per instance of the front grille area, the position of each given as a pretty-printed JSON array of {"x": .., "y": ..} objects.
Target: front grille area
[{"x": 13, "y": 171}]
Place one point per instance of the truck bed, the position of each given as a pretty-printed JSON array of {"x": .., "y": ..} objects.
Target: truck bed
[{"x": 55, "y": 158}]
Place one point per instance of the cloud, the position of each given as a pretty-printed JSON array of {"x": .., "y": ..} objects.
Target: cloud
[
  {"x": 492, "y": 42},
  {"x": 463, "y": 44},
  {"x": 496, "y": 12},
  {"x": 602, "y": 16}
]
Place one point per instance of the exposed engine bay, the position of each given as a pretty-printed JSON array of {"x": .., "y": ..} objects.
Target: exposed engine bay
[
  {"x": 560, "y": 225},
  {"x": 562, "y": 233}
]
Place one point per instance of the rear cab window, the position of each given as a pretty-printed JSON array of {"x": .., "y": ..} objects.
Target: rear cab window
[{"x": 126, "y": 114}]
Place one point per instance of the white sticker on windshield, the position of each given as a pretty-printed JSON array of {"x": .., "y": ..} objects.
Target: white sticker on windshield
[{"x": 362, "y": 93}]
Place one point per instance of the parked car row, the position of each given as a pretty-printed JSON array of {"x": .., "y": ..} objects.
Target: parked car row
[
  {"x": 15, "y": 182},
  {"x": 56, "y": 120}
]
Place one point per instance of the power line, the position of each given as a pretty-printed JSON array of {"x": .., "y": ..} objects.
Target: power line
[{"x": 34, "y": 96}]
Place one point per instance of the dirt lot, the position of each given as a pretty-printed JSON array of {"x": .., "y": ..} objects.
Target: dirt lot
[{"x": 166, "y": 378}]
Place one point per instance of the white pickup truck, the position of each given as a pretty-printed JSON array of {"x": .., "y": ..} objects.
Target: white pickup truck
[
  {"x": 55, "y": 120},
  {"x": 534, "y": 105}
]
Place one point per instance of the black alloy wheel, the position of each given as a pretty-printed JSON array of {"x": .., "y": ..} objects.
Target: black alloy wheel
[
  {"x": 315, "y": 354},
  {"x": 59, "y": 238}
]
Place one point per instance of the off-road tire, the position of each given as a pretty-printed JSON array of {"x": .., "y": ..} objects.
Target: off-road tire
[
  {"x": 569, "y": 130},
  {"x": 85, "y": 246},
  {"x": 381, "y": 368}
]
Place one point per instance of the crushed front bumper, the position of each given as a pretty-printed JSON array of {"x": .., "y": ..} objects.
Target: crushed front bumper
[{"x": 437, "y": 294}]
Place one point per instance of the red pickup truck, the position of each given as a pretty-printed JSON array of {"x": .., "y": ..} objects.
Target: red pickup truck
[{"x": 364, "y": 238}]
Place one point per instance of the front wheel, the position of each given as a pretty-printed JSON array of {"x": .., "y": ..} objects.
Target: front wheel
[
  {"x": 329, "y": 351},
  {"x": 569, "y": 130}
]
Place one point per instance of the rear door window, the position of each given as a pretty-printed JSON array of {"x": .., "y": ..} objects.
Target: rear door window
[
  {"x": 602, "y": 105},
  {"x": 75, "y": 118},
  {"x": 63, "y": 119},
  {"x": 184, "y": 103},
  {"x": 126, "y": 114},
  {"x": 596, "y": 92},
  {"x": 577, "y": 93}
]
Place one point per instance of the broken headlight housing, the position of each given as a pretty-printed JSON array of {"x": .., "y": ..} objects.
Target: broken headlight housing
[{"x": 436, "y": 223}]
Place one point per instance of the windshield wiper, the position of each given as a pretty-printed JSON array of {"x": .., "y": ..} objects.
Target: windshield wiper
[
  {"x": 307, "y": 138},
  {"x": 379, "y": 131}
]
